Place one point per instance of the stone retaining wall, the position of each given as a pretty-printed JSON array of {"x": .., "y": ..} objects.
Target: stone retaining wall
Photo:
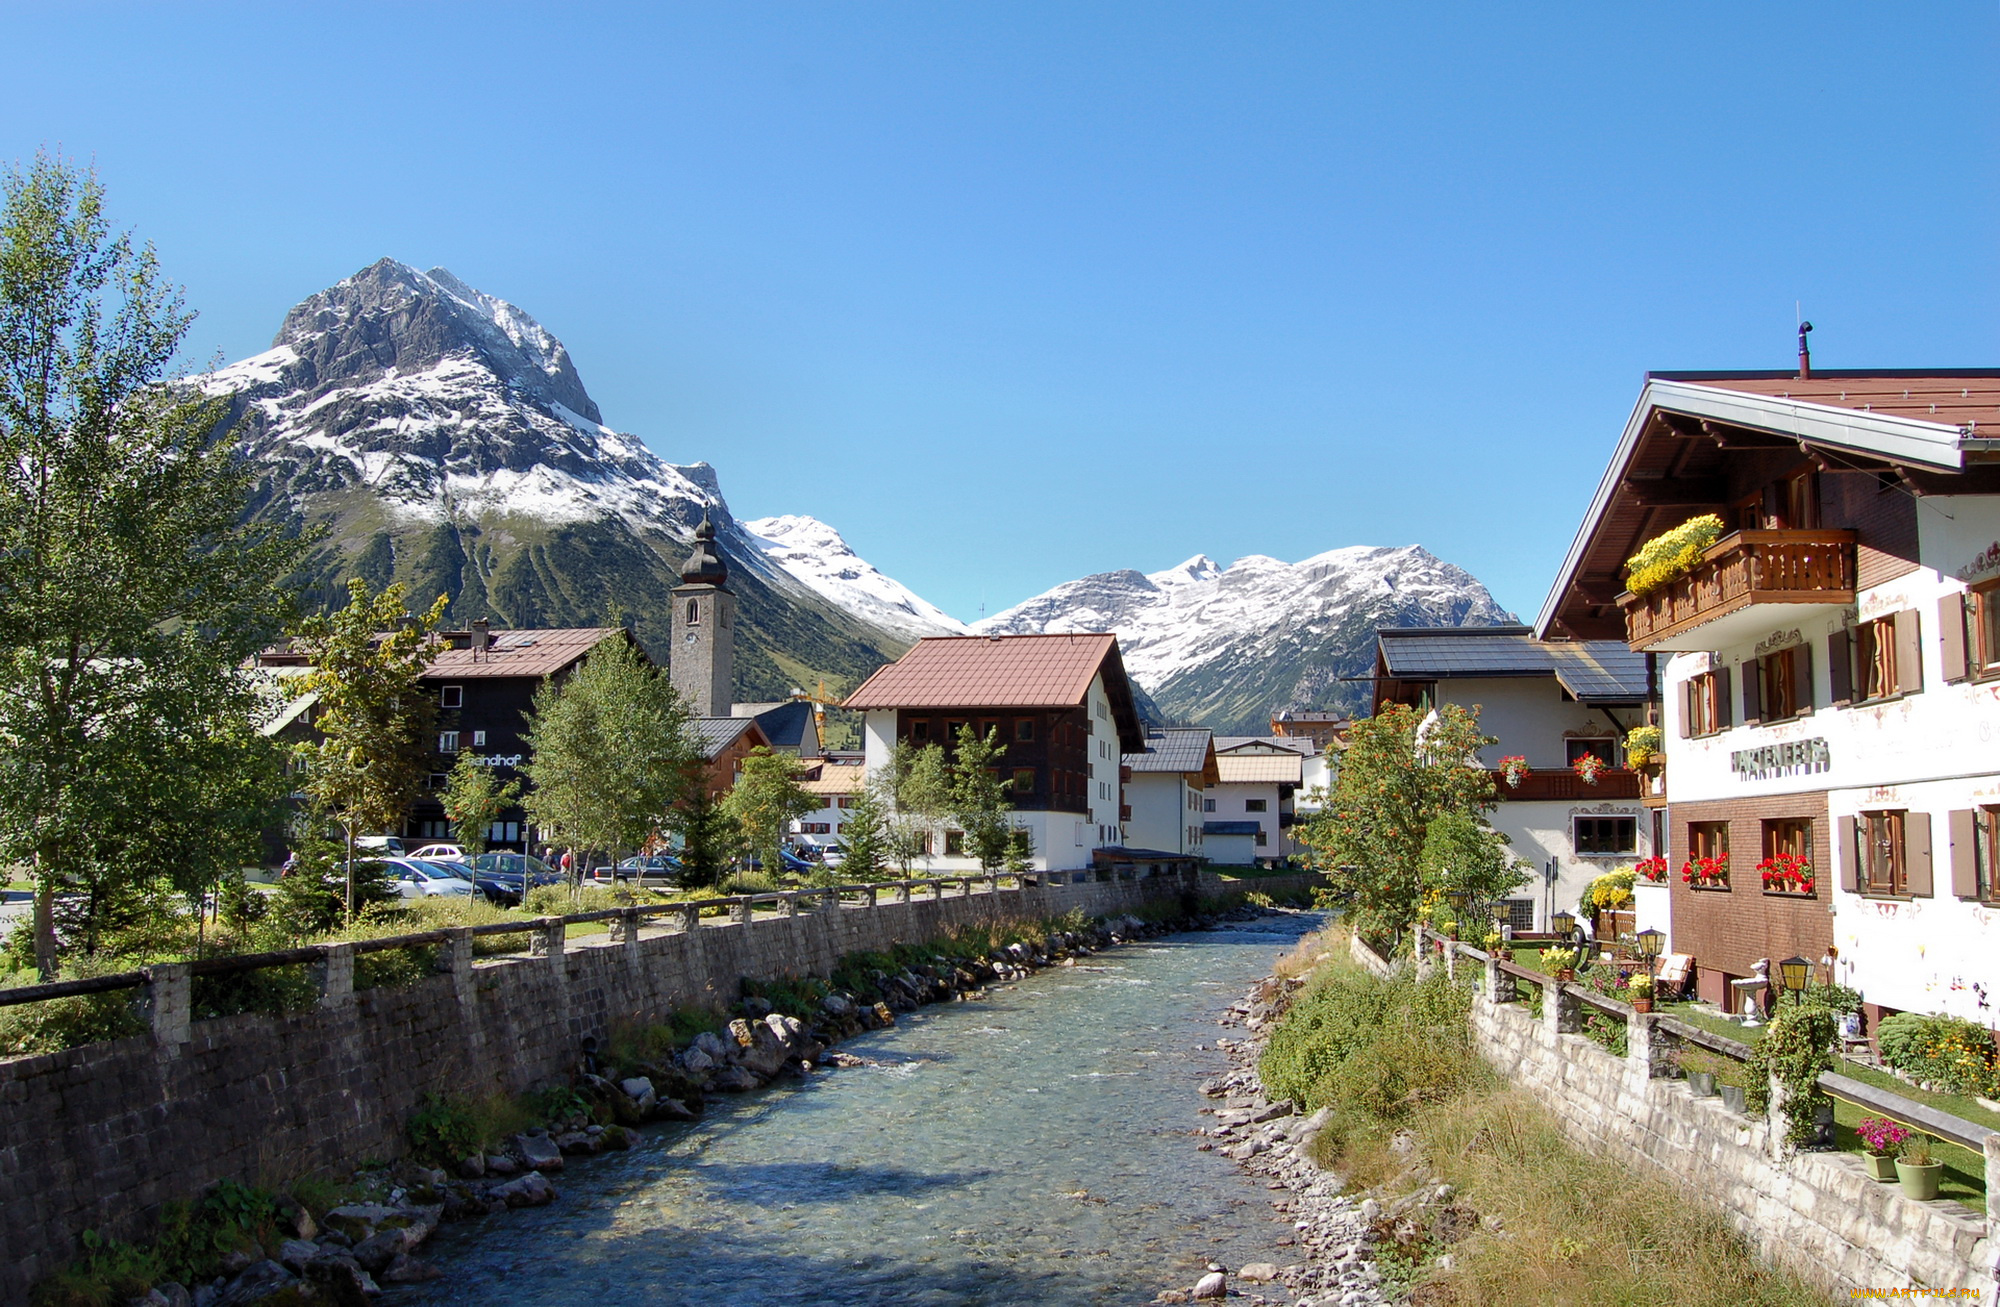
[
  {"x": 97, "y": 1138},
  {"x": 1817, "y": 1214}
]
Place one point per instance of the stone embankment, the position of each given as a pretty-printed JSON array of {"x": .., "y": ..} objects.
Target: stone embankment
[{"x": 345, "y": 1258}]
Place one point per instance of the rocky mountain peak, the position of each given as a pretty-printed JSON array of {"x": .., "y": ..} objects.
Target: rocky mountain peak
[{"x": 390, "y": 318}]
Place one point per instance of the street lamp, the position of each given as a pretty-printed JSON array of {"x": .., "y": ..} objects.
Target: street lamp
[
  {"x": 1563, "y": 924},
  {"x": 1650, "y": 941},
  {"x": 1794, "y": 972}
]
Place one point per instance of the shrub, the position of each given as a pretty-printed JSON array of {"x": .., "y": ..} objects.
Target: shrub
[
  {"x": 56, "y": 1024},
  {"x": 1949, "y": 1052},
  {"x": 1670, "y": 556},
  {"x": 267, "y": 989},
  {"x": 1611, "y": 891}
]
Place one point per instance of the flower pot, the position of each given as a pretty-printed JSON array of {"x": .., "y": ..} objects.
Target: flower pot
[
  {"x": 1565, "y": 973},
  {"x": 1702, "y": 1085},
  {"x": 1732, "y": 1098},
  {"x": 1881, "y": 1166},
  {"x": 1642, "y": 1005},
  {"x": 1918, "y": 1182}
]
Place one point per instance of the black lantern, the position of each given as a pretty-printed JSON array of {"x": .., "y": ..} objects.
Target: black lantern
[
  {"x": 1795, "y": 973},
  {"x": 1650, "y": 941},
  {"x": 1563, "y": 924}
]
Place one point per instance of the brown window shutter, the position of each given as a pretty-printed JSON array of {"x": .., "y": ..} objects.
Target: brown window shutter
[
  {"x": 1687, "y": 707},
  {"x": 1850, "y": 855},
  {"x": 1964, "y": 854},
  {"x": 1917, "y": 854},
  {"x": 1723, "y": 716},
  {"x": 1802, "y": 678},
  {"x": 1753, "y": 693},
  {"x": 1840, "y": 667},
  {"x": 1951, "y": 636},
  {"x": 1909, "y": 653}
]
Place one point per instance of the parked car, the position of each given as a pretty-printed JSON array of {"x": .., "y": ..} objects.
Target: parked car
[
  {"x": 832, "y": 857},
  {"x": 793, "y": 863},
  {"x": 651, "y": 868},
  {"x": 424, "y": 880},
  {"x": 506, "y": 878},
  {"x": 440, "y": 853},
  {"x": 391, "y": 845}
]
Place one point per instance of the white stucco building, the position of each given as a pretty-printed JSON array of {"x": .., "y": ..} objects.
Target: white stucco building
[
  {"x": 1830, "y": 669},
  {"x": 1550, "y": 703},
  {"x": 1165, "y": 784}
]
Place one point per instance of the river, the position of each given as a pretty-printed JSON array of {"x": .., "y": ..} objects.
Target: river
[{"x": 1029, "y": 1148}]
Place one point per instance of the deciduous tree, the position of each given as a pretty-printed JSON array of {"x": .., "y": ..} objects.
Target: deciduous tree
[
  {"x": 978, "y": 797},
  {"x": 766, "y": 798},
  {"x": 131, "y": 587},
  {"x": 373, "y": 717},
  {"x": 474, "y": 798}
]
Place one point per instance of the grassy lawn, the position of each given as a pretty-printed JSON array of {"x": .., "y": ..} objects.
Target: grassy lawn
[{"x": 1708, "y": 1019}]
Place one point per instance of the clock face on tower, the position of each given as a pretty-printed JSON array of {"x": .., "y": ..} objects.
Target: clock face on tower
[{"x": 692, "y": 636}]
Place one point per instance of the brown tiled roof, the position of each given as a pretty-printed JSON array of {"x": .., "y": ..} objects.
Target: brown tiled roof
[
  {"x": 522, "y": 653},
  {"x": 837, "y": 778},
  {"x": 1953, "y": 398},
  {"x": 979, "y": 671}
]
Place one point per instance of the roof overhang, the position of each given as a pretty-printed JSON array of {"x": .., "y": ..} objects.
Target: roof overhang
[{"x": 1881, "y": 438}]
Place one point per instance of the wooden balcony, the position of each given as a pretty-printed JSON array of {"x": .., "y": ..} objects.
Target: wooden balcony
[
  {"x": 1560, "y": 784},
  {"x": 1745, "y": 585}
]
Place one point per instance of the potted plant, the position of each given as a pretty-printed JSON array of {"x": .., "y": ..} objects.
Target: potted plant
[
  {"x": 1917, "y": 1168},
  {"x": 1589, "y": 767},
  {"x": 1640, "y": 990},
  {"x": 1705, "y": 873},
  {"x": 1882, "y": 1138},
  {"x": 1734, "y": 1098},
  {"x": 1514, "y": 770},
  {"x": 1496, "y": 946},
  {"x": 1700, "y": 1070},
  {"x": 1787, "y": 873},
  {"x": 1653, "y": 871},
  {"x": 1642, "y": 748},
  {"x": 1561, "y": 962}
]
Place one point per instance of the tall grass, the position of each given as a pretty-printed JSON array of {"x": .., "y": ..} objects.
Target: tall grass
[{"x": 1575, "y": 1229}]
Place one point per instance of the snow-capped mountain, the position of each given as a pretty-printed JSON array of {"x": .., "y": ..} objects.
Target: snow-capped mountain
[
  {"x": 445, "y": 439},
  {"x": 815, "y": 553},
  {"x": 1226, "y": 647}
]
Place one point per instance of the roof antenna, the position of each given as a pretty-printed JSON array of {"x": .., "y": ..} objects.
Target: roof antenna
[{"x": 1805, "y": 351}]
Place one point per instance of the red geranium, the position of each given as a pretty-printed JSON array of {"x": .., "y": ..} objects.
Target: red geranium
[{"x": 1705, "y": 871}]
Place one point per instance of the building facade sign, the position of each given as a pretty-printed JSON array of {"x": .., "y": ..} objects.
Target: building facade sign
[{"x": 1771, "y": 761}]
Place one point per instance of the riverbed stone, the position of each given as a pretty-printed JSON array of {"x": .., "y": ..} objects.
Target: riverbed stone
[
  {"x": 1213, "y": 1285},
  {"x": 340, "y": 1279},
  {"x": 378, "y": 1250},
  {"x": 1258, "y": 1273},
  {"x": 295, "y": 1253},
  {"x": 530, "y": 1190},
  {"x": 540, "y": 1152},
  {"x": 259, "y": 1281}
]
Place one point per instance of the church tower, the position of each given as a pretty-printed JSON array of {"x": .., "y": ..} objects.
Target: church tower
[{"x": 704, "y": 629}]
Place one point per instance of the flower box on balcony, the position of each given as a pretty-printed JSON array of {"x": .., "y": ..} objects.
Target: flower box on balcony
[{"x": 1719, "y": 601}]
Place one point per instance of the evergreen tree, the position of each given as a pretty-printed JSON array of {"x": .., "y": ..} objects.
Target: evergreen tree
[
  {"x": 440, "y": 570},
  {"x": 376, "y": 563},
  {"x": 373, "y": 717},
  {"x": 767, "y": 796},
  {"x": 708, "y": 834},
  {"x": 474, "y": 798},
  {"x": 610, "y": 748},
  {"x": 864, "y": 837},
  {"x": 131, "y": 588}
]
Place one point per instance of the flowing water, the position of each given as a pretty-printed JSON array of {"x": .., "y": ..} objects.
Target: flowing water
[{"x": 1029, "y": 1148}]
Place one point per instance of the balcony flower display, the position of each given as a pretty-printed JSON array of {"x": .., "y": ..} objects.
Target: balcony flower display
[
  {"x": 1514, "y": 770},
  {"x": 1589, "y": 767},
  {"x": 1705, "y": 872},
  {"x": 1787, "y": 873},
  {"x": 1651, "y": 870},
  {"x": 1668, "y": 557},
  {"x": 1642, "y": 746}
]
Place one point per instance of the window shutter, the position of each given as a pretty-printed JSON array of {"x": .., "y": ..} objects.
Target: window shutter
[
  {"x": 1964, "y": 854},
  {"x": 1840, "y": 667},
  {"x": 1850, "y": 855},
  {"x": 1917, "y": 854},
  {"x": 1753, "y": 693},
  {"x": 1802, "y": 678},
  {"x": 1723, "y": 719},
  {"x": 1687, "y": 707},
  {"x": 1951, "y": 636},
  {"x": 1909, "y": 653}
]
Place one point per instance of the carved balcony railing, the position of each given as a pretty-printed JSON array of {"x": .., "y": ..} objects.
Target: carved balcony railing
[
  {"x": 1562, "y": 784},
  {"x": 1740, "y": 572}
]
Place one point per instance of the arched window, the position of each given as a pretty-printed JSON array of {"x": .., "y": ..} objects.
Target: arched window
[{"x": 694, "y": 612}]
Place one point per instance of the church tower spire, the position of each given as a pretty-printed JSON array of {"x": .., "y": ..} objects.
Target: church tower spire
[{"x": 702, "y": 661}]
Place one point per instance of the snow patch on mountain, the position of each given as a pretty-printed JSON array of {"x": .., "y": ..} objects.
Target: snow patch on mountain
[
  {"x": 1213, "y": 644},
  {"x": 816, "y": 554}
]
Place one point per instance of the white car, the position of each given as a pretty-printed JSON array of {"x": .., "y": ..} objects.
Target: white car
[
  {"x": 425, "y": 880},
  {"x": 439, "y": 853}
]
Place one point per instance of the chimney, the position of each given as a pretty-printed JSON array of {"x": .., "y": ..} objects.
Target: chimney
[
  {"x": 1805, "y": 353},
  {"x": 482, "y": 635}
]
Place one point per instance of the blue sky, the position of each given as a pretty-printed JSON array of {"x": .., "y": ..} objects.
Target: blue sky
[{"x": 1015, "y": 293}]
